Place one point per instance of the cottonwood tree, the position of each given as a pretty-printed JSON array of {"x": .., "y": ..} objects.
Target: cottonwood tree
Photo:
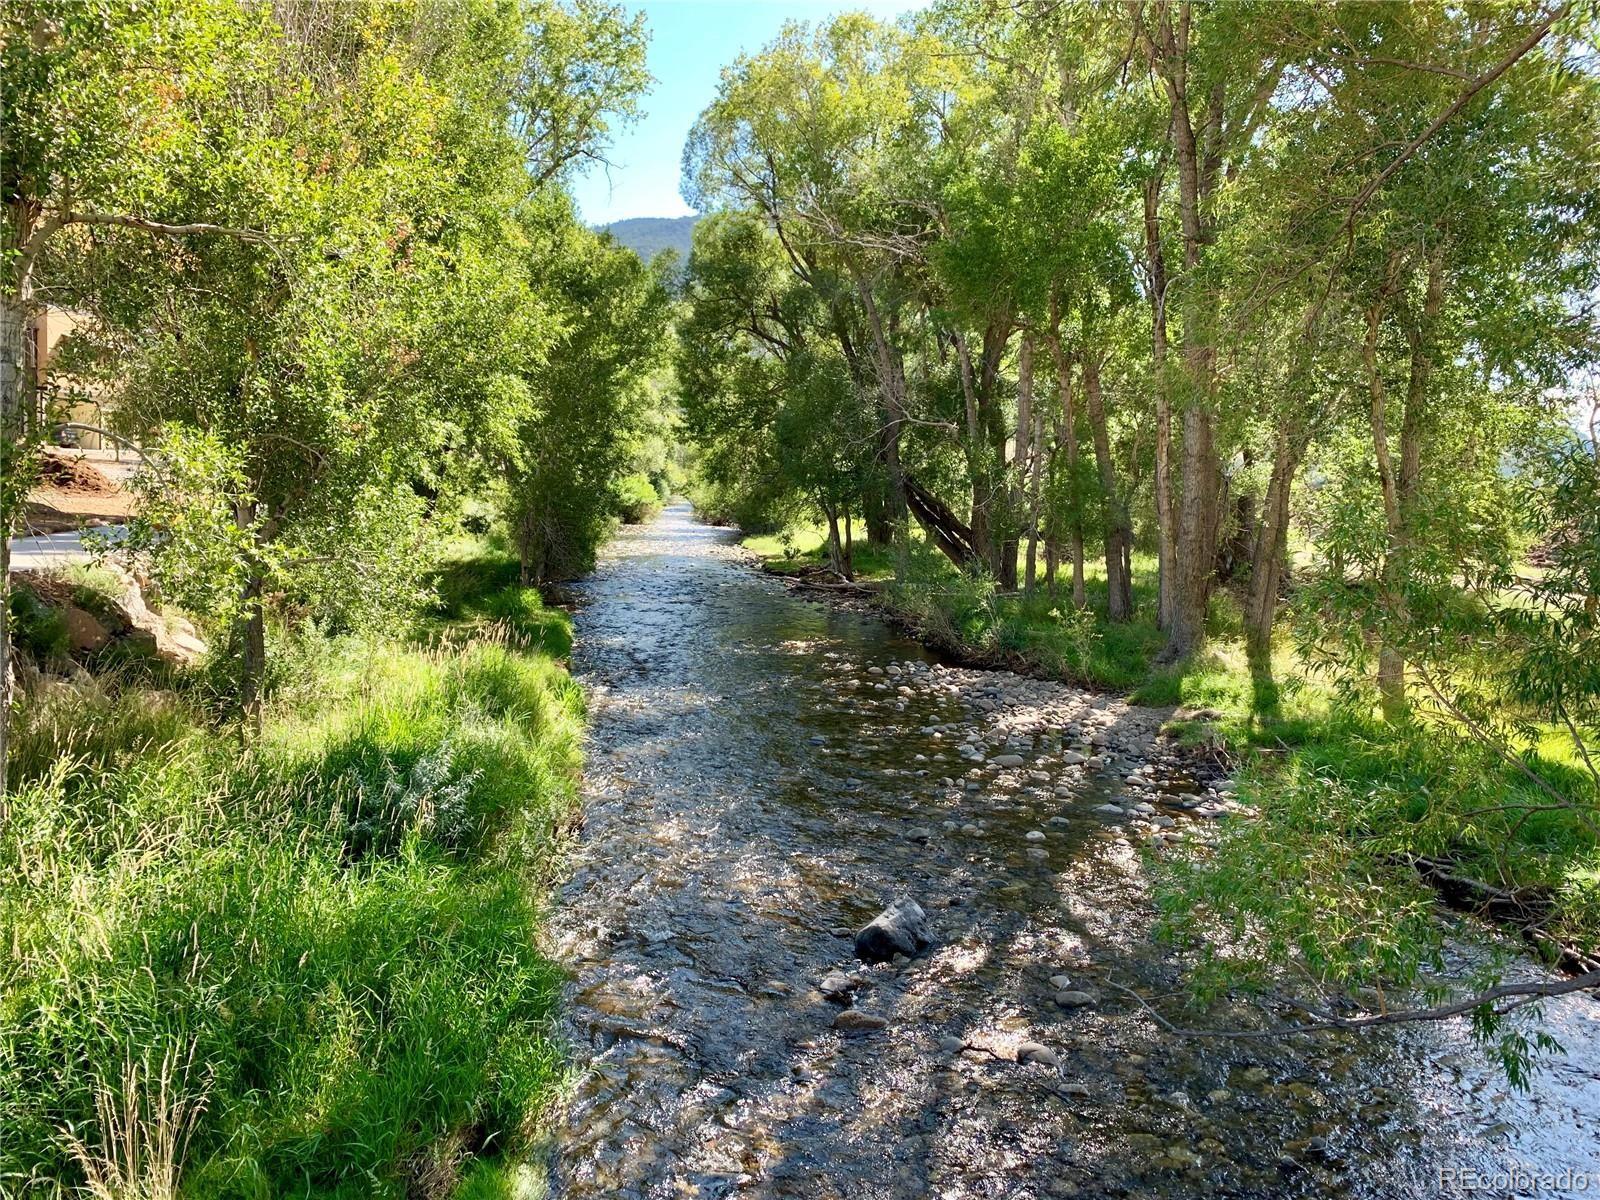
[
  {"x": 385, "y": 149},
  {"x": 107, "y": 106},
  {"x": 589, "y": 398}
]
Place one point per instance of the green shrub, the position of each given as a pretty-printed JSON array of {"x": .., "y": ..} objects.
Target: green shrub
[
  {"x": 636, "y": 499},
  {"x": 37, "y": 628}
]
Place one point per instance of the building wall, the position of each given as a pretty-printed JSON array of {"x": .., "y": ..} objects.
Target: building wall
[{"x": 68, "y": 399}]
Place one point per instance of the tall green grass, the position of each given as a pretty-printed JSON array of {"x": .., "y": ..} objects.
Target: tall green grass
[{"x": 305, "y": 968}]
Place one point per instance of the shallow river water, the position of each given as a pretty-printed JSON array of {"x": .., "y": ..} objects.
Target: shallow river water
[{"x": 766, "y": 773}]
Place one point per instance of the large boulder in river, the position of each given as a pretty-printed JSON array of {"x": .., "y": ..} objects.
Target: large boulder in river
[{"x": 902, "y": 928}]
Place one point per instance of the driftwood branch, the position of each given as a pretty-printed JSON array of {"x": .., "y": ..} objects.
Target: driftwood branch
[{"x": 1501, "y": 999}]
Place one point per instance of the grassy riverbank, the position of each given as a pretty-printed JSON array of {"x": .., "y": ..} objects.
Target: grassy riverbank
[
  {"x": 1358, "y": 822},
  {"x": 306, "y": 967}
]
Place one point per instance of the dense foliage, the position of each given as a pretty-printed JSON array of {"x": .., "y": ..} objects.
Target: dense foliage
[
  {"x": 1271, "y": 309},
  {"x": 329, "y": 277},
  {"x": 325, "y": 270},
  {"x": 310, "y": 968}
]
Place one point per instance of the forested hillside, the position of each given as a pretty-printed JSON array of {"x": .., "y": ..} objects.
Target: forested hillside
[{"x": 649, "y": 236}]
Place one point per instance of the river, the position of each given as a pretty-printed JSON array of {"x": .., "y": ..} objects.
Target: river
[{"x": 766, "y": 773}]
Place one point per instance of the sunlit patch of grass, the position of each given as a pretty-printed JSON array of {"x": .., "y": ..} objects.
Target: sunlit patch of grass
[
  {"x": 478, "y": 584},
  {"x": 336, "y": 926}
]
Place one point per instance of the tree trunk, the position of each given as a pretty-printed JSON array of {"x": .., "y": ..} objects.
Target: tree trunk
[
  {"x": 1194, "y": 547},
  {"x": 875, "y": 515},
  {"x": 977, "y": 458},
  {"x": 891, "y": 386},
  {"x": 1195, "y": 544},
  {"x": 1023, "y": 458},
  {"x": 1036, "y": 472},
  {"x": 1166, "y": 553},
  {"x": 529, "y": 552},
  {"x": 1401, "y": 487},
  {"x": 1118, "y": 533},
  {"x": 253, "y": 660},
  {"x": 849, "y": 549},
  {"x": 1069, "y": 440},
  {"x": 1269, "y": 550},
  {"x": 835, "y": 544},
  {"x": 16, "y": 388}
]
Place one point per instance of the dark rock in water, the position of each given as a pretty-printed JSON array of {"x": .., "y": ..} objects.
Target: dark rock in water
[
  {"x": 1034, "y": 1052},
  {"x": 902, "y": 928},
  {"x": 853, "y": 1020},
  {"x": 837, "y": 986}
]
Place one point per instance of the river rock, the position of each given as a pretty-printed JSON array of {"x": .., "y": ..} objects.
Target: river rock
[
  {"x": 837, "y": 986},
  {"x": 1007, "y": 760},
  {"x": 1072, "y": 998},
  {"x": 1035, "y": 1052},
  {"x": 902, "y": 928},
  {"x": 853, "y": 1020}
]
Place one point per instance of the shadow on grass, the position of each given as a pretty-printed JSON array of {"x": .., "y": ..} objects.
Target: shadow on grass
[{"x": 483, "y": 589}]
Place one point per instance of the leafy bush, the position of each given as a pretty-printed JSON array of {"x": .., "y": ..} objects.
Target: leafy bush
[
  {"x": 39, "y": 628},
  {"x": 636, "y": 499}
]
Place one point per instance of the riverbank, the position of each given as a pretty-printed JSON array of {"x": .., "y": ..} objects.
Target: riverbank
[
  {"x": 1361, "y": 826},
  {"x": 304, "y": 967}
]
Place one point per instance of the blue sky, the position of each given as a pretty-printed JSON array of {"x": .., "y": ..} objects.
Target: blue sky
[{"x": 690, "y": 42}]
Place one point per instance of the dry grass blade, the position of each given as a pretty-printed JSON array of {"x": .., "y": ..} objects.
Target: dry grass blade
[{"x": 145, "y": 1126}]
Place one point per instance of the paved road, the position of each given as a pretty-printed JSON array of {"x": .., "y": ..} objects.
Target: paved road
[{"x": 48, "y": 550}]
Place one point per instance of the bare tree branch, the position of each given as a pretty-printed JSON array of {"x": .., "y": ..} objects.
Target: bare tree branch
[
  {"x": 1518, "y": 995},
  {"x": 187, "y": 229},
  {"x": 1439, "y": 122}
]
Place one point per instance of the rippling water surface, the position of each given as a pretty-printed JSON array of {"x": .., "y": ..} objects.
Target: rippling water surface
[{"x": 767, "y": 773}]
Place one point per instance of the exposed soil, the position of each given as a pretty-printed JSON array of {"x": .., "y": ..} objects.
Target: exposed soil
[{"x": 74, "y": 476}]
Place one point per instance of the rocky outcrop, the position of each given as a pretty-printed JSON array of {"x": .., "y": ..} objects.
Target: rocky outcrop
[
  {"x": 168, "y": 636},
  {"x": 95, "y": 619}
]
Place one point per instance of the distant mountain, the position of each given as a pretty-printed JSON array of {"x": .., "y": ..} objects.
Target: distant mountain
[{"x": 648, "y": 236}]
